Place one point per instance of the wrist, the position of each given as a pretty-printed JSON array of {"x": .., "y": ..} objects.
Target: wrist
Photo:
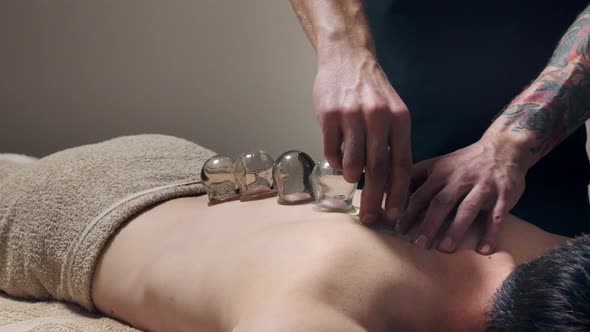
[
  {"x": 345, "y": 47},
  {"x": 345, "y": 57},
  {"x": 513, "y": 147}
]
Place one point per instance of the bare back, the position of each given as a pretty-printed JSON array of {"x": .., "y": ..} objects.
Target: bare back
[{"x": 183, "y": 264}]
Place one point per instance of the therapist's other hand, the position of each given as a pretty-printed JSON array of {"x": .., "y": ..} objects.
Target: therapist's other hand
[
  {"x": 365, "y": 125},
  {"x": 479, "y": 178}
]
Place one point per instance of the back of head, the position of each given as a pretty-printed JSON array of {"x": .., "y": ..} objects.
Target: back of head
[{"x": 550, "y": 293}]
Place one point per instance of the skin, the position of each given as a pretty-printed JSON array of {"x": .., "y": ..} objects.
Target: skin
[
  {"x": 260, "y": 266},
  {"x": 489, "y": 175},
  {"x": 356, "y": 106}
]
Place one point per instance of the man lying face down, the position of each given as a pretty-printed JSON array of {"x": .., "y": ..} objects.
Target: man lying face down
[
  {"x": 260, "y": 266},
  {"x": 179, "y": 265}
]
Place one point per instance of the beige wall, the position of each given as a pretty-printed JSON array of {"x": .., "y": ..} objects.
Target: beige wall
[{"x": 231, "y": 75}]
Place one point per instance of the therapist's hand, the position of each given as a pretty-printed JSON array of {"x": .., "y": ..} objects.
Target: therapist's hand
[
  {"x": 360, "y": 111},
  {"x": 483, "y": 177}
]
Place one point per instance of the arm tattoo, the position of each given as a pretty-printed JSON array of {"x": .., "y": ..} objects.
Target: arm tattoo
[{"x": 558, "y": 101}]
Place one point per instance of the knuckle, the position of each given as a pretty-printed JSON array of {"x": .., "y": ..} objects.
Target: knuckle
[
  {"x": 355, "y": 145},
  {"x": 488, "y": 185},
  {"x": 376, "y": 111},
  {"x": 401, "y": 114},
  {"x": 496, "y": 220},
  {"x": 377, "y": 164},
  {"x": 462, "y": 183},
  {"x": 374, "y": 168},
  {"x": 377, "y": 106},
  {"x": 505, "y": 188},
  {"x": 441, "y": 173},
  {"x": 351, "y": 110},
  {"x": 328, "y": 113},
  {"x": 471, "y": 207},
  {"x": 328, "y": 109}
]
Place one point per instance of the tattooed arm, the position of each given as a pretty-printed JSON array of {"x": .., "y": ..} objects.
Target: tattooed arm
[
  {"x": 557, "y": 102},
  {"x": 489, "y": 175}
]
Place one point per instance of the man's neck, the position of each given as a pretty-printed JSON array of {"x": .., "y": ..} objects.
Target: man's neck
[
  {"x": 468, "y": 288},
  {"x": 455, "y": 290}
]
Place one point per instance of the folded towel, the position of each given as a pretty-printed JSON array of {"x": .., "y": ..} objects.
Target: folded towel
[
  {"x": 57, "y": 213},
  {"x": 24, "y": 316},
  {"x": 10, "y": 163}
]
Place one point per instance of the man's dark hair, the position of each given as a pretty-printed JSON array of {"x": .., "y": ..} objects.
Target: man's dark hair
[{"x": 550, "y": 293}]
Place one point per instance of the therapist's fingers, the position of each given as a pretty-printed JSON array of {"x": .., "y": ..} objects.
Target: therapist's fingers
[
  {"x": 332, "y": 138},
  {"x": 465, "y": 216},
  {"x": 377, "y": 164},
  {"x": 420, "y": 173},
  {"x": 353, "y": 133},
  {"x": 487, "y": 244},
  {"x": 419, "y": 201},
  {"x": 438, "y": 210},
  {"x": 400, "y": 149}
]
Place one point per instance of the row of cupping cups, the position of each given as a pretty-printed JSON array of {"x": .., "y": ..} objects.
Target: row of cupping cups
[{"x": 294, "y": 177}]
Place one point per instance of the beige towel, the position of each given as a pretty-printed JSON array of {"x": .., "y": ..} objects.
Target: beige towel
[
  {"x": 57, "y": 213},
  {"x": 10, "y": 163},
  {"x": 24, "y": 316}
]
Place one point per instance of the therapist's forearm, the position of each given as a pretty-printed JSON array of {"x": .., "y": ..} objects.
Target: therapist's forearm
[
  {"x": 336, "y": 28},
  {"x": 555, "y": 104}
]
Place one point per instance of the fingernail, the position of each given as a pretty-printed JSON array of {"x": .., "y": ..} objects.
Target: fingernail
[
  {"x": 485, "y": 249},
  {"x": 421, "y": 241},
  {"x": 446, "y": 244},
  {"x": 398, "y": 228},
  {"x": 369, "y": 219}
]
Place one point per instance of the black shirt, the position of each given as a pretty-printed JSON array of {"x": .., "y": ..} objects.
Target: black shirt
[{"x": 457, "y": 64}]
